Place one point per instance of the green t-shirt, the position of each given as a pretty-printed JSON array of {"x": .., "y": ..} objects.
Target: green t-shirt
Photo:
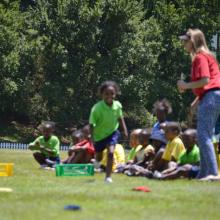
[
  {"x": 52, "y": 144},
  {"x": 132, "y": 153},
  {"x": 192, "y": 157},
  {"x": 104, "y": 119}
]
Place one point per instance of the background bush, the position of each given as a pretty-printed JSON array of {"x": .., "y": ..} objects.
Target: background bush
[{"x": 55, "y": 53}]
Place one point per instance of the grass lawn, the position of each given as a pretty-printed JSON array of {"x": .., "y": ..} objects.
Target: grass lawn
[{"x": 39, "y": 194}]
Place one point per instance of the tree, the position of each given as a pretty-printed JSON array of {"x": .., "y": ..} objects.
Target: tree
[
  {"x": 55, "y": 53},
  {"x": 174, "y": 18}
]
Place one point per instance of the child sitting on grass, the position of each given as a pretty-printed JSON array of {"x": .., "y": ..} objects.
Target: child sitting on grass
[
  {"x": 47, "y": 147},
  {"x": 82, "y": 151},
  {"x": 119, "y": 158},
  {"x": 188, "y": 163},
  {"x": 134, "y": 144},
  {"x": 153, "y": 156},
  {"x": 77, "y": 137},
  {"x": 159, "y": 142},
  {"x": 174, "y": 146},
  {"x": 146, "y": 152},
  {"x": 143, "y": 156}
]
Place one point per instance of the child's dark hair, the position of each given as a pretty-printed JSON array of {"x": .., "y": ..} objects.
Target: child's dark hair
[
  {"x": 78, "y": 134},
  {"x": 144, "y": 134},
  {"x": 162, "y": 104},
  {"x": 173, "y": 126},
  {"x": 191, "y": 131},
  {"x": 48, "y": 125},
  {"x": 107, "y": 84}
]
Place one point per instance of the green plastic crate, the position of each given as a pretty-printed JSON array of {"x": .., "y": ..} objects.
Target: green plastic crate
[{"x": 75, "y": 170}]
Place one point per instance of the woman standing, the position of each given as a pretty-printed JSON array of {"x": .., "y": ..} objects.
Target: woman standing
[{"x": 205, "y": 83}]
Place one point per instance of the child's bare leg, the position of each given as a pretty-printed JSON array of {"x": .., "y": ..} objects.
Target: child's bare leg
[
  {"x": 172, "y": 164},
  {"x": 110, "y": 154},
  {"x": 70, "y": 151},
  {"x": 182, "y": 171},
  {"x": 70, "y": 158},
  {"x": 80, "y": 157},
  {"x": 172, "y": 167},
  {"x": 98, "y": 156},
  {"x": 66, "y": 160},
  {"x": 88, "y": 158},
  {"x": 39, "y": 157}
]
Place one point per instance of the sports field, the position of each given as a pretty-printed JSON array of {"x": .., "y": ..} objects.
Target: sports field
[{"x": 39, "y": 194}]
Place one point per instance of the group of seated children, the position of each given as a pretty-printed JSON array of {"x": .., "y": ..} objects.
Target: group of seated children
[
  {"x": 47, "y": 147},
  {"x": 162, "y": 152},
  {"x": 179, "y": 157},
  {"x": 171, "y": 154}
]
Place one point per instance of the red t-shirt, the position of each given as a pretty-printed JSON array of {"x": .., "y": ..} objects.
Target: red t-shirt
[
  {"x": 205, "y": 65},
  {"x": 88, "y": 145}
]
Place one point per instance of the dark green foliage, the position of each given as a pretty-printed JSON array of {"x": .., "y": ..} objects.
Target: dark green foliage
[{"x": 55, "y": 53}]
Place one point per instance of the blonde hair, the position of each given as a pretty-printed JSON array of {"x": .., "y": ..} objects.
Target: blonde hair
[{"x": 198, "y": 40}]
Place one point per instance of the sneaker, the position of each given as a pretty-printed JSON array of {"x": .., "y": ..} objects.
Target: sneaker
[
  {"x": 128, "y": 173},
  {"x": 43, "y": 166},
  {"x": 50, "y": 168},
  {"x": 157, "y": 174},
  {"x": 99, "y": 170},
  {"x": 108, "y": 180},
  {"x": 96, "y": 164},
  {"x": 149, "y": 174}
]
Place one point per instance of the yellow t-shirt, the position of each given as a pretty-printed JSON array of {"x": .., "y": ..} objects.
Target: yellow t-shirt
[
  {"x": 143, "y": 151},
  {"x": 119, "y": 156},
  {"x": 173, "y": 149}
]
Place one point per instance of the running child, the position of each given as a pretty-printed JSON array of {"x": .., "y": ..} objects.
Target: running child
[{"x": 105, "y": 117}]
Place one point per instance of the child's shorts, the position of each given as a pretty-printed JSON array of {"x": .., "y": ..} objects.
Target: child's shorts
[
  {"x": 193, "y": 173},
  {"x": 108, "y": 141}
]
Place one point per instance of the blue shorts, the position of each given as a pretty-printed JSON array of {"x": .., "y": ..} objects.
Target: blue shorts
[
  {"x": 194, "y": 172},
  {"x": 108, "y": 141}
]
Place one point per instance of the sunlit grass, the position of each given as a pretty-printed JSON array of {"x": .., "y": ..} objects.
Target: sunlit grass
[{"x": 39, "y": 194}]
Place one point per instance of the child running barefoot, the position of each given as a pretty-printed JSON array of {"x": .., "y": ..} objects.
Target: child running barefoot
[
  {"x": 104, "y": 120},
  {"x": 47, "y": 146}
]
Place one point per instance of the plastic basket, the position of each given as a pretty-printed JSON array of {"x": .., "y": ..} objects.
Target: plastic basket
[
  {"x": 6, "y": 169},
  {"x": 74, "y": 170}
]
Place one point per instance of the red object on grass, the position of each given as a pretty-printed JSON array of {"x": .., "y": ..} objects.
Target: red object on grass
[{"x": 142, "y": 188}]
